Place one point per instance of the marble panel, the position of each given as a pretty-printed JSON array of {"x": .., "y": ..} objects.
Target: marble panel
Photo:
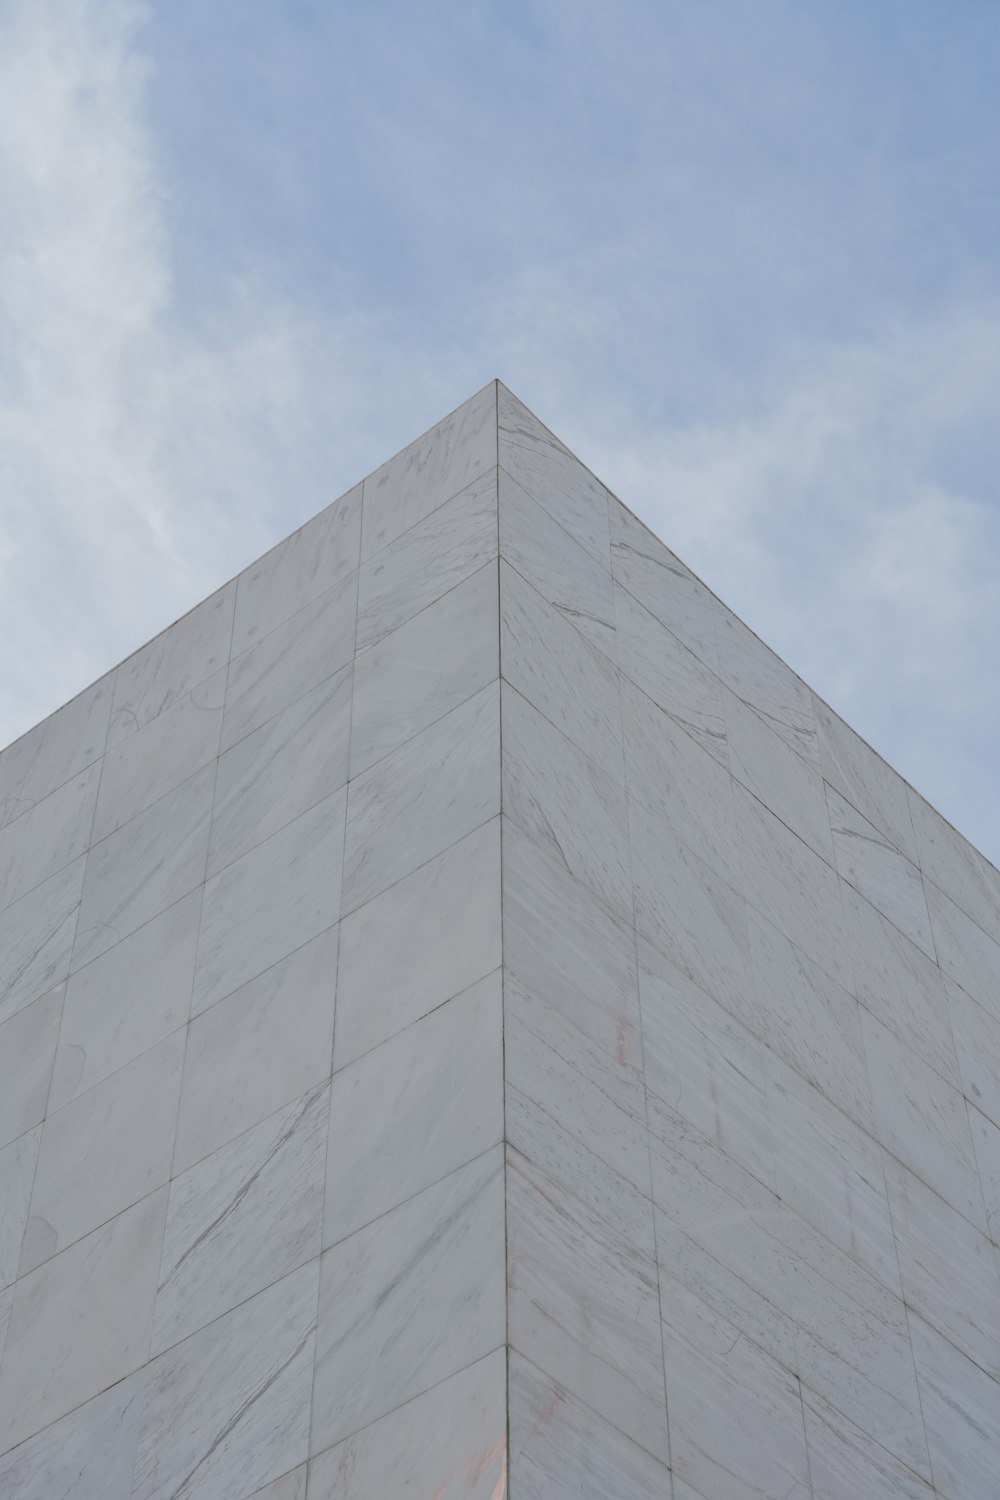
[
  {"x": 986, "y": 1141},
  {"x": 17, "y": 1171},
  {"x": 126, "y": 1001},
  {"x": 104, "y": 1151},
  {"x": 172, "y": 663},
  {"x": 270, "y": 901},
  {"x": 429, "y": 471},
  {"x": 694, "y": 916},
  {"x": 875, "y": 867},
  {"x": 292, "y": 659},
  {"x": 411, "y": 1299},
  {"x": 427, "y": 561},
  {"x": 560, "y": 1447},
  {"x": 566, "y": 803},
  {"x": 854, "y": 770},
  {"x": 845, "y": 1463},
  {"x": 258, "y": 1049},
  {"x": 964, "y": 951},
  {"x": 81, "y": 1321},
  {"x": 564, "y": 573},
  {"x": 56, "y": 750},
  {"x": 735, "y": 1413},
  {"x": 977, "y": 1043},
  {"x": 900, "y": 985},
  {"x": 559, "y": 672},
  {"x": 764, "y": 683},
  {"x": 950, "y": 1272},
  {"x": 27, "y": 1049},
  {"x": 961, "y": 1412},
  {"x": 923, "y": 1121},
  {"x": 36, "y": 939},
  {"x": 686, "y": 790},
  {"x": 670, "y": 674},
  {"x": 553, "y": 476},
  {"x": 291, "y": 1486},
  {"x": 449, "y": 1443},
  {"x": 281, "y": 770},
  {"x": 159, "y": 756},
  {"x": 955, "y": 866},
  {"x": 394, "y": 966},
  {"x": 6, "y": 1303},
  {"x": 304, "y": 567},
  {"x": 423, "y": 797},
  {"x": 145, "y": 867},
  {"x": 242, "y": 1218},
  {"x": 227, "y": 1410},
  {"x": 414, "y": 1109},
  {"x": 777, "y": 775},
  {"x": 54, "y": 833},
  {"x": 662, "y": 584},
  {"x": 788, "y": 883},
  {"x": 87, "y": 1454},
  {"x": 427, "y": 667},
  {"x": 583, "y": 1305}
]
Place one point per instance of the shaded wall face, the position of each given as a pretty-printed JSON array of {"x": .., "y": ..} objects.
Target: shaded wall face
[{"x": 251, "y": 1114}]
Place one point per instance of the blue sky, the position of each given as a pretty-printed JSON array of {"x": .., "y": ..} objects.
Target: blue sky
[{"x": 742, "y": 257}]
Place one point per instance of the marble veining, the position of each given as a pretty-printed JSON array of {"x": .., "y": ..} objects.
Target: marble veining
[
  {"x": 89, "y": 1452},
  {"x": 876, "y": 869},
  {"x": 56, "y": 750},
  {"x": 17, "y": 1170},
  {"x": 27, "y": 1049},
  {"x": 36, "y": 938},
  {"x": 53, "y": 834},
  {"x": 662, "y": 584}
]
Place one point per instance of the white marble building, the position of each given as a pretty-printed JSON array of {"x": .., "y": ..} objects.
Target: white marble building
[{"x": 473, "y": 1024}]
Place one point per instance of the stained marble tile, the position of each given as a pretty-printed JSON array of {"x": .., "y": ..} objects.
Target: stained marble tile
[
  {"x": 394, "y": 966},
  {"x": 423, "y": 797},
  {"x": 550, "y": 474},
  {"x": 977, "y": 1043},
  {"x": 172, "y": 664},
  {"x": 684, "y": 786},
  {"x": 36, "y": 939},
  {"x": 777, "y": 775},
  {"x": 27, "y": 1048},
  {"x": 281, "y": 770},
  {"x": 559, "y": 672},
  {"x": 560, "y": 1446},
  {"x": 427, "y": 561},
  {"x": 873, "y": 866},
  {"x": 56, "y": 750},
  {"x": 854, "y": 770},
  {"x": 694, "y": 916},
  {"x": 789, "y": 884},
  {"x": 104, "y": 1151},
  {"x": 964, "y": 951},
  {"x": 900, "y": 985},
  {"x": 563, "y": 572},
  {"x": 961, "y": 1412},
  {"x": 762, "y": 681},
  {"x": 303, "y": 567},
  {"x": 290, "y": 661},
  {"x": 662, "y": 584},
  {"x": 270, "y": 901},
  {"x": 242, "y": 1218},
  {"x": 126, "y": 1001},
  {"x": 411, "y": 1299},
  {"x": 429, "y": 471},
  {"x": 671, "y": 675},
  {"x": 414, "y": 1109},
  {"x": 735, "y": 1413},
  {"x": 845, "y": 1463},
  {"x": 51, "y": 835},
  {"x": 950, "y": 1272},
  {"x": 258, "y": 1049},
  {"x": 88, "y": 1453},
  {"x": 986, "y": 1142},
  {"x": 566, "y": 803},
  {"x": 955, "y": 866},
  {"x": 160, "y": 755},
  {"x": 81, "y": 1321},
  {"x": 922, "y": 1121},
  {"x": 145, "y": 867},
  {"x": 427, "y": 667},
  {"x": 583, "y": 1305},
  {"x": 449, "y": 1442},
  {"x": 227, "y": 1410},
  {"x": 17, "y": 1171}
]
